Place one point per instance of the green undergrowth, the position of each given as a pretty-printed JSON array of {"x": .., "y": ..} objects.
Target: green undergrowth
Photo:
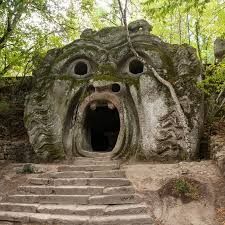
[
  {"x": 185, "y": 188},
  {"x": 214, "y": 88},
  {"x": 27, "y": 169}
]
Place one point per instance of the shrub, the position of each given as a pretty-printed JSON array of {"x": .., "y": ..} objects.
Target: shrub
[
  {"x": 185, "y": 188},
  {"x": 214, "y": 88},
  {"x": 28, "y": 168}
]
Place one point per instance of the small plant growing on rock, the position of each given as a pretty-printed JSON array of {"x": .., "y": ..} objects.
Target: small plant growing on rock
[
  {"x": 28, "y": 169},
  {"x": 184, "y": 188}
]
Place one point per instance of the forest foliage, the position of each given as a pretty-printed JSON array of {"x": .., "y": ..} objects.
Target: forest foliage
[{"x": 28, "y": 29}]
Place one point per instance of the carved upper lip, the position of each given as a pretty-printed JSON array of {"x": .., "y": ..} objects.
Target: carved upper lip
[
  {"x": 98, "y": 103},
  {"x": 101, "y": 99}
]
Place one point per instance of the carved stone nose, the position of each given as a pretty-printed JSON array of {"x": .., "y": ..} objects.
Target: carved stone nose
[
  {"x": 91, "y": 89},
  {"x": 115, "y": 87}
]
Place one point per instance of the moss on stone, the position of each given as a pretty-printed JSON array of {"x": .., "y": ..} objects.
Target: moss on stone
[
  {"x": 50, "y": 153},
  {"x": 4, "y": 106},
  {"x": 109, "y": 74},
  {"x": 74, "y": 81},
  {"x": 115, "y": 78},
  {"x": 56, "y": 153},
  {"x": 74, "y": 49}
]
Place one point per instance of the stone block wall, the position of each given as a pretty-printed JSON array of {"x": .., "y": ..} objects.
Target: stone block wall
[{"x": 14, "y": 143}]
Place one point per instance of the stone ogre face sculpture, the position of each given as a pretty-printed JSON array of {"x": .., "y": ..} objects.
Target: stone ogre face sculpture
[{"x": 93, "y": 97}]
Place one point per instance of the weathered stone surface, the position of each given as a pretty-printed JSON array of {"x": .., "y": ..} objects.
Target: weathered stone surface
[
  {"x": 32, "y": 218},
  {"x": 89, "y": 167},
  {"x": 126, "y": 209},
  {"x": 82, "y": 210},
  {"x": 85, "y": 174},
  {"x": 125, "y": 220},
  {"x": 17, "y": 207},
  {"x": 14, "y": 142},
  {"x": 217, "y": 149},
  {"x": 67, "y": 174},
  {"x": 109, "y": 174},
  {"x": 29, "y": 218},
  {"x": 107, "y": 182},
  {"x": 95, "y": 82},
  {"x": 219, "y": 48},
  {"x": 102, "y": 201},
  {"x": 62, "y": 190},
  {"x": 119, "y": 190},
  {"x": 114, "y": 199},
  {"x": 48, "y": 199}
]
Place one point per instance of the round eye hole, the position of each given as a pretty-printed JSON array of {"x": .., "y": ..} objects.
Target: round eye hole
[
  {"x": 81, "y": 68},
  {"x": 136, "y": 66}
]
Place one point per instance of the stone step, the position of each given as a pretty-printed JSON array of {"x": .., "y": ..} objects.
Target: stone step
[
  {"x": 62, "y": 190},
  {"x": 126, "y": 209},
  {"x": 141, "y": 219},
  {"x": 106, "y": 182},
  {"x": 68, "y": 174},
  {"x": 109, "y": 174},
  {"x": 51, "y": 219},
  {"x": 49, "y": 199},
  {"x": 84, "y": 174},
  {"x": 119, "y": 190},
  {"x": 82, "y": 210},
  {"x": 101, "y": 162},
  {"x": 18, "y": 207},
  {"x": 40, "y": 218},
  {"x": 105, "y": 158},
  {"x": 113, "y": 166},
  {"x": 76, "y": 199},
  {"x": 118, "y": 199},
  {"x": 74, "y": 190}
]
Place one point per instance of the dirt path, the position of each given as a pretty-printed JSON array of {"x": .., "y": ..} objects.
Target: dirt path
[{"x": 207, "y": 209}]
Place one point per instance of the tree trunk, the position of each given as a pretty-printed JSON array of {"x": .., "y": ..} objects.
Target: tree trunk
[
  {"x": 197, "y": 35},
  {"x": 188, "y": 29}
]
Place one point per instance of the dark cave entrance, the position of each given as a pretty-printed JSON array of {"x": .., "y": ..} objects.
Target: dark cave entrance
[{"x": 102, "y": 127}]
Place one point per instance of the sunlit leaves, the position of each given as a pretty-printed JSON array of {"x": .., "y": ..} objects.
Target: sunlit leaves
[
  {"x": 87, "y": 5},
  {"x": 31, "y": 28},
  {"x": 215, "y": 79},
  {"x": 196, "y": 22},
  {"x": 37, "y": 26}
]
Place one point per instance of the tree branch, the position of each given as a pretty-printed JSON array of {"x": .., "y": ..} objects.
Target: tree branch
[
  {"x": 5, "y": 70},
  {"x": 181, "y": 115},
  {"x": 13, "y": 18}
]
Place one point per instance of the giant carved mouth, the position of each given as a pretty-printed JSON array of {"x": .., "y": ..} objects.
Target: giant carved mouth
[{"x": 102, "y": 126}]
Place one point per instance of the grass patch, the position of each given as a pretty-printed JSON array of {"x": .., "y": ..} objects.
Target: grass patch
[
  {"x": 185, "y": 188},
  {"x": 27, "y": 169}
]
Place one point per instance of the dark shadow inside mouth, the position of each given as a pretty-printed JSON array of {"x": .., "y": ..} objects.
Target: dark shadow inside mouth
[{"x": 102, "y": 128}]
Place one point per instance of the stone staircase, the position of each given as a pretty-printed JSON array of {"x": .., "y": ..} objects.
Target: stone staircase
[{"x": 89, "y": 192}]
